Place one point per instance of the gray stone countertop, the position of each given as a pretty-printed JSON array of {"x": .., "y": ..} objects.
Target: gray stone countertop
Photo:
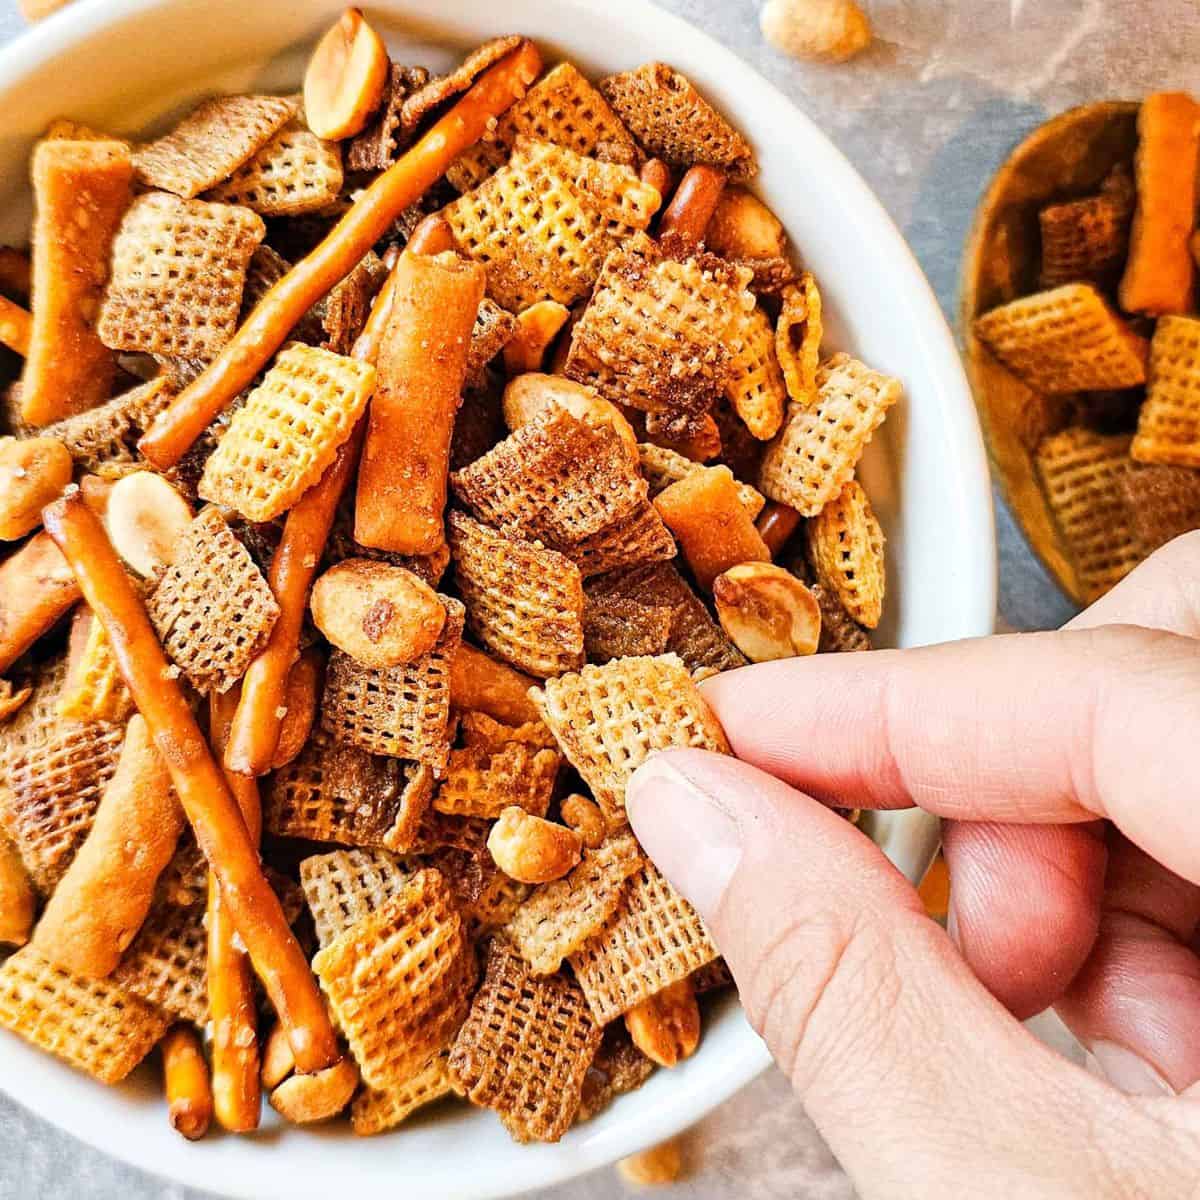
[{"x": 927, "y": 114}]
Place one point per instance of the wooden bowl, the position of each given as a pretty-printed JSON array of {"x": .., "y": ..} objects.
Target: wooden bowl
[{"x": 1068, "y": 157}]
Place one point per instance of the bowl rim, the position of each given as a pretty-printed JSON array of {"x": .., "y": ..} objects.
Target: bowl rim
[{"x": 942, "y": 370}]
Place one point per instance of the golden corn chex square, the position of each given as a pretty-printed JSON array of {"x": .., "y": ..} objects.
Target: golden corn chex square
[
  {"x": 525, "y": 1047},
  {"x": 399, "y": 980},
  {"x": 672, "y": 121},
  {"x": 563, "y": 108},
  {"x": 478, "y": 729},
  {"x": 610, "y": 719},
  {"x": 1065, "y": 340},
  {"x": 347, "y": 886},
  {"x": 756, "y": 387},
  {"x": 94, "y": 689},
  {"x": 295, "y": 172},
  {"x": 544, "y": 223},
  {"x": 798, "y": 333},
  {"x": 846, "y": 545},
  {"x": 212, "y": 608},
  {"x": 816, "y": 452},
  {"x": 840, "y": 633},
  {"x": 524, "y": 603},
  {"x": 1080, "y": 472},
  {"x": 482, "y": 783},
  {"x": 1162, "y": 501},
  {"x": 178, "y": 269},
  {"x": 91, "y": 1024},
  {"x": 280, "y": 442},
  {"x": 652, "y": 940},
  {"x": 1169, "y": 421},
  {"x": 210, "y": 143},
  {"x": 376, "y": 1112}
]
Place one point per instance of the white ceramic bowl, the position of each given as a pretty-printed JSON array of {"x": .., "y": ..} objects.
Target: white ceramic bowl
[{"x": 127, "y": 64}]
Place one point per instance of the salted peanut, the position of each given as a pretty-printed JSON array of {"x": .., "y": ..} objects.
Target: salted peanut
[
  {"x": 705, "y": 512},
  {"x": 767, "y": 612},
  {"x": 16, "y": 896},
  {"x": 584, "y": 816},
  {"x": 278, "y": 1062},
  {"x": 478, "y": 683},
  {"x": 530, "y": 849},
  {"x": 300, "y": 701},
  {"x": 776, "y": 524},
  {"x": 188, "y": 1086},
  {"x": 32, "y": 472},
  {"x": 380, "y": 615},
  {"x": 654, "y": 1167},
  {"x": 744, "y": 227},
  {"x": 37, "y": 587},
  {"x": 666, "y": 1028},
  {"x": 303, "y": 1099},
  {"x": 824, "y": 30},
  {"x": 146, "y": 517},
  {"x": 537, "y": 326},
  {"x": 533, "y": 393},
  {"x": 346, "y": 75}
]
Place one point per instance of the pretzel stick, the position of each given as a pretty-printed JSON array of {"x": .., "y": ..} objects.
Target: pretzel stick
[
  {"x": 15, "y": 271},
  {"x": 210, "y": 807},
  {"x": 36, "y": 589},
  {"x": 15, "y": 326},
  {"x": 776, "y": 523},
  {"x": 254, "y": 736},
  {"x": 692, "y": 206},
  {"x": 481, "y": 684},
  {"x": 189, "y": 1093},
  {"x": 367, "y": 221}
]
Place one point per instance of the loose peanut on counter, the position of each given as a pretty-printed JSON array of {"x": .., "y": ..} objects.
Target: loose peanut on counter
[
  {"x": 380, "y": 615},
  {"x": 767, "y": 612},
  {"x": 145, "y": 517},
  {"x": 345, "y": 79},
  {"x": 653, "y": 1167},
  {"x": 530, "y": 394},
  {"x": 303, "y": 1099},
  {"x": 532, "y": 850},
  {"x": 666, "y": 1028},
  {"x": 32, "y": 472},
  {"x": 584, "y": 816},
  {"x": 826, "y": 30}
]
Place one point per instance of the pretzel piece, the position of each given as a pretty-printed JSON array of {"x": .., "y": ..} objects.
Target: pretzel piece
[
  {"x": 479, "y": 683},
  {"x": 536, "y": 327},
  {"x": 686, "y": 218},
  {"x": 36, "y": 589},
  {"x": 16, "y": 326},
  {"x": 187, "y": 1082},
  {"x": 69, "y": 369},
  {"x": 199, "y": 783},
  {"x": 366, "y": 222}
]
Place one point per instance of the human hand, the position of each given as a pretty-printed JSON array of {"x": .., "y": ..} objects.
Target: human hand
[{"x": 1063, "y": 764}]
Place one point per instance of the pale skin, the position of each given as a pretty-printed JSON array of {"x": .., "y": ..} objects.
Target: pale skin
[{"x": 1063, "y": 766}]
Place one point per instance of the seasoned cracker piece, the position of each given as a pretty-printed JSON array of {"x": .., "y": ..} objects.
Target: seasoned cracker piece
[
  {"x": 90, "y": 1023},
  {"x": 478, "y": 729},
  {"x": 618, "y": 1069},
  {"x": 52, "y": 775},
  {"x": 184, "y": 881},
  {"x": 376, "y": 147},
  {"x": 661, "y": 334},
  {"x": 402, "y": 712},
  {"x": 798, "y": 334},
  {"x": 840, "y": 633},
  {"x": 654, "y": 939},
  {"x": 1169, "y": 422},
  {"x": 376, "y": 1112},
  {"x": 846, "y": 544},
  {"x": 556, "y": 479},
  {"x": 818, "y": 448},
  {"x": 348, "y": 305},
  {"x": 439, "y": 90},
  {"x": 1086, "y": 241},
  {"x": 399, "y": 980},
  {"x": 94, "y": 689},
  {"x": 698, "y": 640},
  {"x": 1080, "y": 472},
  {"x": 614, "y": 627},
  {"x": 482, "y": 783},
  {"x": 610, "y": 719},
  {"x": 347, "y": 886},
  {"x": 295, "y": 172},
  {"x": 440, "y": 832},
  {"x": 210, "y": 143},
  {"x": 544, "y": 223},
  {"x": 1163, "y": 502},
  {"x": 212, "y": 608},
  {"x": 494, "y": 328},
  {"x": 1065, "y": 340},
  {"x": 280, "y": 442},
  {"x": 166, "y": 965},
  {"x": 713, "y": 977},
  {"x": 641, "y": 537},
  {"x": 106, "y": 437},
  {"x": 560, "y": 916},
  {"x": 332, "y": 792},
  {"x": 756, "y": 386},
  {"x": 563, "y": 108},
  {"x": 496, "y": 904},
  {"x": 672, "y": 121},
  {"x": 524, "y": 603},
  {"x": 178, "y": 268},
  {"x": 663, "y": 467},
  {"x": 525, "y": 1048}
]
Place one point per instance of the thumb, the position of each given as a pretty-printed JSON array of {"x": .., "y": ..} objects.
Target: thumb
[{"x": 863, "y": 1001}]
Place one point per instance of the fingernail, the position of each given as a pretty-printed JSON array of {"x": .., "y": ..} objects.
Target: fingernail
[
  {"x": 1125, "y": 1070},
  {"x": 688, "y": 833}
]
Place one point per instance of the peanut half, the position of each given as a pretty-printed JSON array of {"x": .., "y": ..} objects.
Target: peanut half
[
  {"x": 584, "y": 816},
  {"x": 532, "y": 850},
  {"x": 346, "y": 75},
  {"x": 146, "y": 517},
  {"x": 33, "y": 471},
  {"x": 303, "y": 1099},
  {"x": 666, "y": 1028},
  {"x": 532, "y": 393},
  {"x": 824, "y": 30},
  {"x": 767, "y": 612}
]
